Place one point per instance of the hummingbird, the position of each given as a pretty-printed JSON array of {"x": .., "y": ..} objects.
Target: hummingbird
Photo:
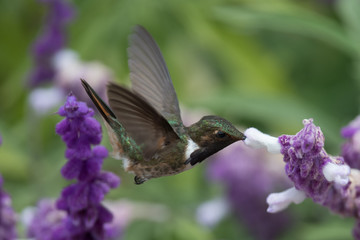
[{"x": 144, "y": 124}]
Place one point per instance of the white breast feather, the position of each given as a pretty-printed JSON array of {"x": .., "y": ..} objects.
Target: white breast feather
[
  {"x": 190, "y": 148},
  {"x": 126, "y": 162}
]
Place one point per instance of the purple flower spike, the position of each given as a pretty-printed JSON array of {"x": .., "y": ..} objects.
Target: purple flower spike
[
  {"x": 307, "y": 163},
  {"x": 315, "y": 174},
  {"x": 51, "y": 40},
  {"x": 7, "y": 215},
  {"x": 86, "y": 217},
  {"x": 79, "y": 130}
]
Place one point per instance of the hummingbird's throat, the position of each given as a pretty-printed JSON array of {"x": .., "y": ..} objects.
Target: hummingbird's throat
[{"x": 190, "y": 148}]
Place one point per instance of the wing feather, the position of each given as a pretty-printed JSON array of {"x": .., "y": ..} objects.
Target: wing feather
[
  {"x": 150, "y": 77},
  {"x": 142, "y": 122}
]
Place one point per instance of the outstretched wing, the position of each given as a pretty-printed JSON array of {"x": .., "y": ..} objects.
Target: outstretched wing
[
  {"x": 142, "y": 122},
  {"x": 150, "y": 77}
]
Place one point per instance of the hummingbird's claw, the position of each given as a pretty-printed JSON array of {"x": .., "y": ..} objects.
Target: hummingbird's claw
[
  {"x": 139, "y": 180},
  {"x": 187, "y": 161}
]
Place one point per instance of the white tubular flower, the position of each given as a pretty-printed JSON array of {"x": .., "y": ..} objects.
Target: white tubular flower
[
  {"x": 280, "y": 201},
  {"x": 336, "y": 173},
  {"x": 257, "y": 139}
]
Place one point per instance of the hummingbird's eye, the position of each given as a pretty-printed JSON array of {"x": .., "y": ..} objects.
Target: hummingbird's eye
[{"x": 220, "y": 134}]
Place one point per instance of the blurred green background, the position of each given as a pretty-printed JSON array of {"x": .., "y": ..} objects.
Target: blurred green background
[{"x": 266, "y": 64}]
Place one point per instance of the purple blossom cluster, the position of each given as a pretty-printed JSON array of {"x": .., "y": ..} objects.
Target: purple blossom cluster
[
  {"x": 308, "y": 166},
  {"x": 51, "y": 40},
  {"x": 45, "y": 220},
  {"x": 305, "y": 158},
  {"x": 328, "y": 180},
  {"x": 7, "y": 215},
  {"x": 86, "y": 216},
  {"x": 248, "y": 181}
]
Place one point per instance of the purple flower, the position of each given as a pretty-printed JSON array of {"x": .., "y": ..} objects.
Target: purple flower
[
  {"x": 79, "y": 130},
  {"x": 309, "y": 166},
  {"x": 84, "y": 194},
  {"x": 51, "y": 40},
  {"x": 44, "y": 220},
  {"x": 351, "y": 148},
  {"x": 86, "y": 217},
  {"x": 7, "y": 215},
  {"x": 248, "y": 180},
  {"x": 315, "y": 174},
  {"x": 305, "y": 159}
]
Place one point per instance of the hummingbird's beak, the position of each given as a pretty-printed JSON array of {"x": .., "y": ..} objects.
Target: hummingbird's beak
[{"x": 241, "y": 136}]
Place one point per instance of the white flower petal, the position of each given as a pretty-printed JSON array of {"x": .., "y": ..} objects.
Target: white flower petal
[
  {"x": 212, "y": 212},
  {"x": 257, "y": 139},
  {"x": 42, "y": 100},
  {"x": 280, "y": 201},
  {"x": 27, "y": 215},
  {"x": 336, "y": 173}
]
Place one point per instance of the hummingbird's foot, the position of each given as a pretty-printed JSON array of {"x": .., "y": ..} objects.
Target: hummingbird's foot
[
  {"x": 192, "y": 161},
  {"x": 139, "y": 180}
]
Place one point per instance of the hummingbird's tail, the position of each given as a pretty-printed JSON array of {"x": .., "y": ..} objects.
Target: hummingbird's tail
[{"x": 104, "y": 110}]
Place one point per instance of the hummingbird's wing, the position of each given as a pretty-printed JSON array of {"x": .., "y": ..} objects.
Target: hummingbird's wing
[
  {"x": 119, "y": 138},
  {"x": 150, "y": 130},
  {"x": 150, "y": 77}
]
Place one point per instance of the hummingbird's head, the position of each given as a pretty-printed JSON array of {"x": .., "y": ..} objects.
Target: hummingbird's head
[{"x": 214, "y": 132}]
